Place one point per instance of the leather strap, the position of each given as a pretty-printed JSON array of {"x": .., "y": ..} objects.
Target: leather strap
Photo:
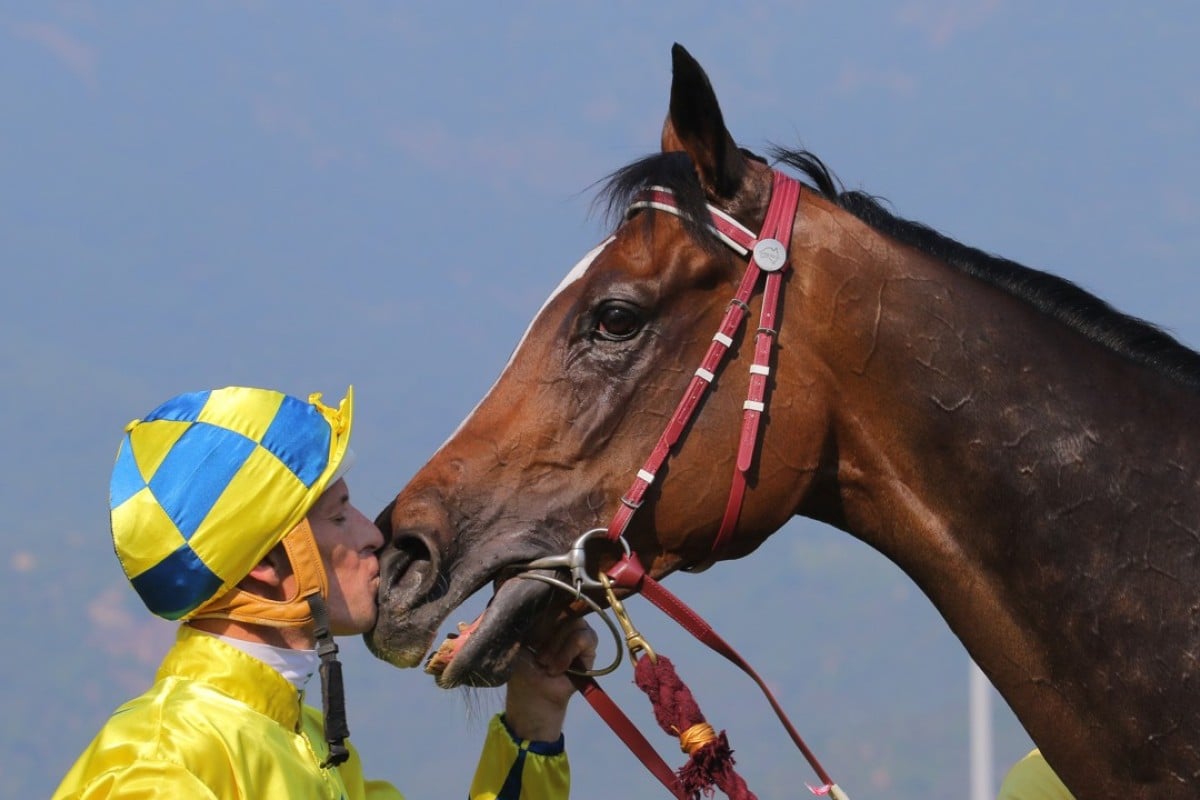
[
  {"x": 781, "y": 214},
  {"x": 739, "y": 238},
  {"x": 629, "y": 574},
  {"x": 777, "y": 225},
  {"x": 686, "y": 409},
  {"x": 621, "y": 725},
  {"x": 333, "y": 699}
]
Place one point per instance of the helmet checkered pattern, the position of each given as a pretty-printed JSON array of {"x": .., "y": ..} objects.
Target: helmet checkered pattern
[{"x": 207, "y": 483}]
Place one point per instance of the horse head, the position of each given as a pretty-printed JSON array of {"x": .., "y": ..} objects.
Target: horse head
[
  {"x": 549, "y": 451},
  {"x": 1017, "y": 446}
]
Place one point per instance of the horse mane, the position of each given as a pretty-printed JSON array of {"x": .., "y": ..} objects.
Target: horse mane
[{"x": 1135, "y": 339}]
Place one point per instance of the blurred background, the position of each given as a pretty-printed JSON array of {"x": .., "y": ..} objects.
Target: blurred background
[{"x": 309, "y": 195}]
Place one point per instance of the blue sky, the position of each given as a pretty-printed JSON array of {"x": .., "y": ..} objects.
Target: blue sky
[{"x": 308, "y": 195}]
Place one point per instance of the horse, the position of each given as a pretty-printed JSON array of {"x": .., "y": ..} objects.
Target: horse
[{"x": 1017, "y": 446}]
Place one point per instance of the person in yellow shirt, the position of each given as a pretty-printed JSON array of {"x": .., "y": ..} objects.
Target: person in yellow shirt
[
  {"x": 1032, "y": 779},
  {"x": 229, "y": 511}
]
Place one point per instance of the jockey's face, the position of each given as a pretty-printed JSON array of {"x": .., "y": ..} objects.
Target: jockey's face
[{"x": 347, "y": 542}]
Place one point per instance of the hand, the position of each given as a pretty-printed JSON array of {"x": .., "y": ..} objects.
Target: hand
[{"x": 539, "y": 689}]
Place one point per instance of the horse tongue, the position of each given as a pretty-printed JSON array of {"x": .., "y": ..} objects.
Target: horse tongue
[{"x": 441, "y": 658}]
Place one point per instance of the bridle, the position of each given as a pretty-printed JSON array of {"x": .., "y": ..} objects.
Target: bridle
[
  {"x": 767, "y": 253},
  {"x": 768, "y": 256}
]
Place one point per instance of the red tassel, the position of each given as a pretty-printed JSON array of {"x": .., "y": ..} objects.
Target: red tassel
[{"x": 711, "y": 762}]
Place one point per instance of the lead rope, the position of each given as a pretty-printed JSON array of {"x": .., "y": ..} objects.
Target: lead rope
[
  {"x": 710, "y": 758},
  {"x": 629, "y": 574}
]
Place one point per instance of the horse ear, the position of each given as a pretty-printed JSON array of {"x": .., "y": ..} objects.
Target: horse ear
[{"x": 695, "y": 125}]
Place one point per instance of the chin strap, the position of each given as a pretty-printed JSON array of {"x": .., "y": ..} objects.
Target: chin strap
[{"x": 333, "y": 698}]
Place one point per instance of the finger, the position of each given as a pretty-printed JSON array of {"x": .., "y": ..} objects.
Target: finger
[
  {"x": 554, "y": 637},
  {"x": 586, "y": 641},
  {"x": 570, "y": 642}
]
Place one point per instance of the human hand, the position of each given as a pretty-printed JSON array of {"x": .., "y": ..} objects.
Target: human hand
[{"x": 539, "y": 689}]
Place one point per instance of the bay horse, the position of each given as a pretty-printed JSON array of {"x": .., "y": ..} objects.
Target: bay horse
[{"x": 1022, "y": 451}]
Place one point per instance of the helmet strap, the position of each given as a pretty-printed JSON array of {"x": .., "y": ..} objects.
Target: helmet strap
[{"x": 333, "y": 698}]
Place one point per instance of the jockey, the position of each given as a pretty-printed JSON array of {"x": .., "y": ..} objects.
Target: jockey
[
  {"x": 230, "y": 513},
  {"x": 1032, "y": 779}
]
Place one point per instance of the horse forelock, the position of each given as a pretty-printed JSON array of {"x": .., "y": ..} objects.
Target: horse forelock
[{"x": 673, "y": 171}]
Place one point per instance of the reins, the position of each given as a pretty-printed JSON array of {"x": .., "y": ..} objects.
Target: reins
[{"x": 710, "y": 758}]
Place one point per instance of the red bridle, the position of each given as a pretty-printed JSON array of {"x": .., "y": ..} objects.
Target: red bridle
[{"x": 768, "y": 256}]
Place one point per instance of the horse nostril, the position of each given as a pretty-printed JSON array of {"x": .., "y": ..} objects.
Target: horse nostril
[{"x": 409, "y": 567}]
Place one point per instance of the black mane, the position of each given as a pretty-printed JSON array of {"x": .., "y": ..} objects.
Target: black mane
[{"x": 1135, "y": 339}]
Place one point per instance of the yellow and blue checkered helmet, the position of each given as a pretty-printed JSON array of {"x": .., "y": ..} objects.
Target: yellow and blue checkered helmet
[{"x": 207, "y": 483}]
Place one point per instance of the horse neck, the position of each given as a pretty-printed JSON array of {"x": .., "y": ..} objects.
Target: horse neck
[
  {"x": 965, "y": 399},
  {"x": 999, "y": 458}
]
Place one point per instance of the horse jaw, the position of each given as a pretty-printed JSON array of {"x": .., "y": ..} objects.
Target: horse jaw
[{"x": 477, "y": 654}]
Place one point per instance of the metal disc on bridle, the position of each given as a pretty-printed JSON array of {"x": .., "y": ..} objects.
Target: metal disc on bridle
[{"x": 770, "y": 255}]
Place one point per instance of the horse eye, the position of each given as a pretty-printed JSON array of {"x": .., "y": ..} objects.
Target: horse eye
[{"x": 617, "y": 322}]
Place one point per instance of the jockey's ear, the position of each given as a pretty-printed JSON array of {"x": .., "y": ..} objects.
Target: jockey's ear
[{"x": 269, "y": 578}]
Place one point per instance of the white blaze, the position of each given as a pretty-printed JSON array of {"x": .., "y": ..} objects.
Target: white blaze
[{"x": 577, "y": 272}]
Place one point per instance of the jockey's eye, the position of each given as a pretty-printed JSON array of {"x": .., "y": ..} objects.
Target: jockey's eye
[{"x": 617, "y": 321}]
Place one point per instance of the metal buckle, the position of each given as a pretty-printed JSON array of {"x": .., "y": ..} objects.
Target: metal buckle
[{"x": 634, "y": 641}]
